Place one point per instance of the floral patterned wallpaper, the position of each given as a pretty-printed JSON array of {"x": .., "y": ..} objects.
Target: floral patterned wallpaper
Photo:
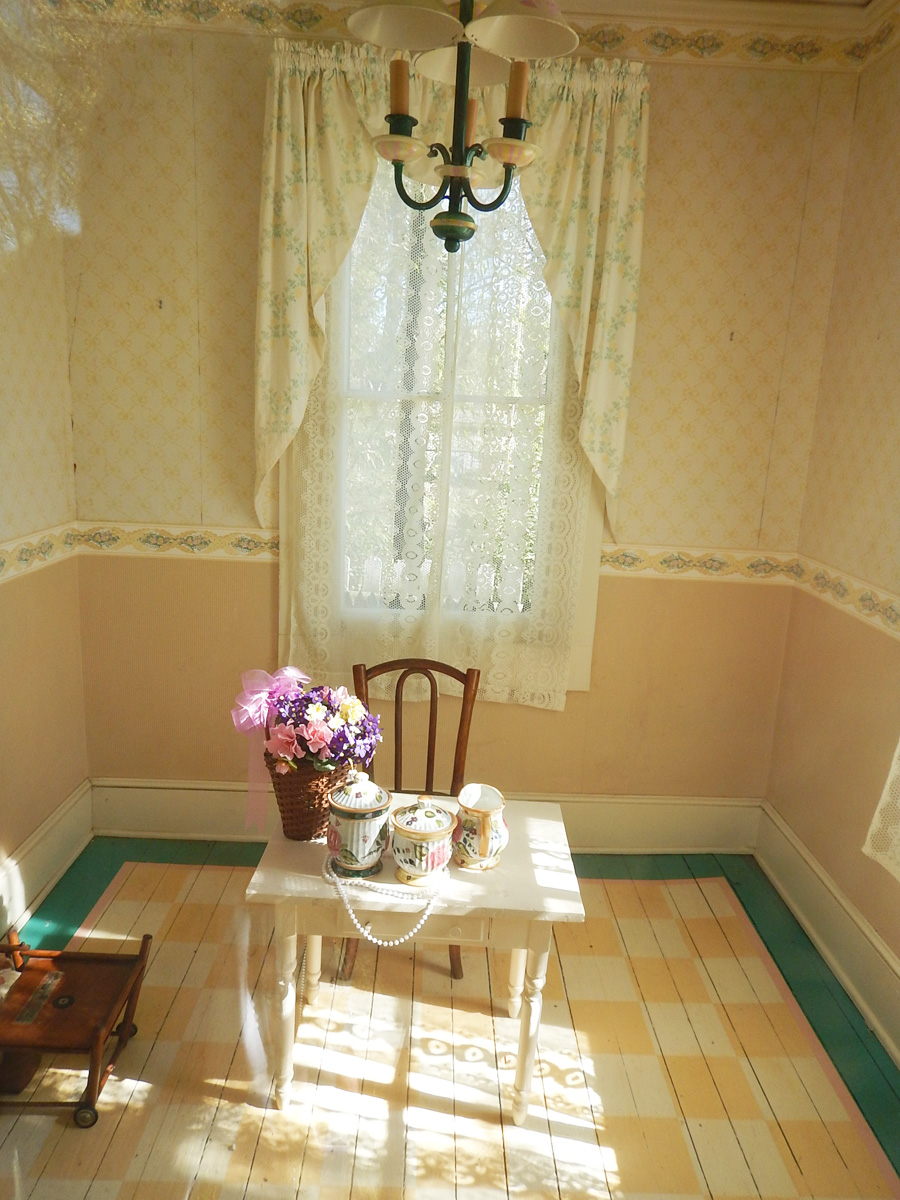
[
  {"x": 162, "y": 283},
  {"x": 744, "y": 203},
  {"x": 744, "y": 192},
  {"x": 852, "y": 513},
  {"x": 37, "y": 478}
]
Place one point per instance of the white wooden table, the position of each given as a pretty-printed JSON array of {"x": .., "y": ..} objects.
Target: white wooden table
[{"x": 512, "y": 907}]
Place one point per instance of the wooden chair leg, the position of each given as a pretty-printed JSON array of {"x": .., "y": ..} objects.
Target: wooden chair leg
[
  {"x": 456, "y": 970},
  {"x": 348, "y": 958}
]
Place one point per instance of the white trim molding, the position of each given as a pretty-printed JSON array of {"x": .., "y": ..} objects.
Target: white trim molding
[
  {"x": 860, "y": 959},
  {"x": 598, "y": 824},
  {"x": 34, "y": 867},
  {"x": 176, "y": 808},
  {"x": 595, "y": 824},
  {"x": 858, "y": 956}
]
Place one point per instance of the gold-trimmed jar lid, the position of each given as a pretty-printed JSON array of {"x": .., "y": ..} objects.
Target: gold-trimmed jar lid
[
  {"x": 360, "y": 794},
  {"x": 424, "y": 819}
]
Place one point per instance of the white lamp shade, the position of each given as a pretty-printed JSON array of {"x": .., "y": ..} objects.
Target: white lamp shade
[
  {"x": 522, "y": 29},
  {"x": 485, "y": 70},
  {"x": 412, "y": 25}
]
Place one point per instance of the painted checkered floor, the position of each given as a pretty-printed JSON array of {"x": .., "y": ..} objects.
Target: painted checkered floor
[{"x": 673, "y": 1063}]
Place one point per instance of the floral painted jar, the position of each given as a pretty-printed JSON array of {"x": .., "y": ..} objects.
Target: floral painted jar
[
  {"x": 358, "y": 826},
  {"x": 421, "y": 838},
  {"x": 481, "y": 832}
]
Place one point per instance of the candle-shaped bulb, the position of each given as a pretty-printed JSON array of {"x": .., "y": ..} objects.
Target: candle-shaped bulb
[
  {"x": 517, "y": 90},
  {"x": 399, "y": 86}
]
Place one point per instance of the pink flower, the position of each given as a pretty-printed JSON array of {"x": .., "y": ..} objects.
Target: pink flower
[
  {"x": 282, "y": 766},
  {"x": 333, "y": 838},
  {"x": 317, "y": 736},
  {"x": 437, "y": 857},
  {"x": 283, "y": 743}
]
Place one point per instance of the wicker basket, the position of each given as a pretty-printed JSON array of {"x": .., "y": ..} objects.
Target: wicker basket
[{"x": 303, "y": 797}]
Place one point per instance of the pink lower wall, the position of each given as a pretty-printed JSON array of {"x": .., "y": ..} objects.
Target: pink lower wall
[
  {"x": 837, "y": 729},
  {"x": 43, "y": 753},
  {"x": 698, "y": 689},
  {"x": 682, "y": 698},
  {"x": 165, "y": 643}
]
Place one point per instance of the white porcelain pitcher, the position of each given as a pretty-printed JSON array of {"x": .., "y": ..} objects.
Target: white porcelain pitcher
[{"x": 481, "y": 833}]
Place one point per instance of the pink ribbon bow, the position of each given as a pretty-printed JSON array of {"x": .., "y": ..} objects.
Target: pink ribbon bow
[
  {"x": 251, "y": 713},
  {"x": 253, "y": 707}
]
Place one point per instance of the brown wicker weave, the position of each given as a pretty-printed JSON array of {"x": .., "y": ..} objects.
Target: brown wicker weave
[{"x": 303, "y": 797}]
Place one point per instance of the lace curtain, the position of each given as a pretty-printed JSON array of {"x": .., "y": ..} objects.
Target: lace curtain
[
  {"x": 418, "y": 425},
  {"x": 435, "y": 496},
  {"x": 883, "y": 840}
]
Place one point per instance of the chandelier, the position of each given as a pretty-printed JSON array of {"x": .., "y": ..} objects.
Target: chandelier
[{"x": 492, "y": 48}]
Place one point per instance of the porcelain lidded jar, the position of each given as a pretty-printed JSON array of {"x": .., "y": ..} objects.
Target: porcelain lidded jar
[
  {"x": 358, "y": 826},
  {"x": 481, "y": 832},
  {"x": 421, "y": 836}
]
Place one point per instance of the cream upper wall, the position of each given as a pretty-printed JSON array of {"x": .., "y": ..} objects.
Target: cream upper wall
[
  {"x": 852, "y": 513},
  {"x": 37, "y": 479},
  {"x": 162, "y": 283},
  {"x": 744, "y": 189}
]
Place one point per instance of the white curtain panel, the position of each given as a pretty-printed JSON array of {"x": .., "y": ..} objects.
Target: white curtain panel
[
  {"x": 883, "y": 840},
  {"x": 434, "y": 483}
]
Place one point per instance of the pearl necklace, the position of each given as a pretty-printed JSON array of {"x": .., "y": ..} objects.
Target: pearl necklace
[{"x": 401, "y": 893}]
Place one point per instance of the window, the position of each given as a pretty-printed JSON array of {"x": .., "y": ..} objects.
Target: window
[
  {"x": 445, "y": 441},
  {"x": 442, "y": 351}
]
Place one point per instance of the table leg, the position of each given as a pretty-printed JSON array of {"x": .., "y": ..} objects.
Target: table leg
[
  {"x": 535, "y": 977},
  {"x": 286, "y": 992},
  {"x": 313, "y": 967},
  {"x": 516, "y": 979}
]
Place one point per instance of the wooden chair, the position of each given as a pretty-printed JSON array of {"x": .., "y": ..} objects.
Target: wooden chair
[{"x": 428, "y": 668}]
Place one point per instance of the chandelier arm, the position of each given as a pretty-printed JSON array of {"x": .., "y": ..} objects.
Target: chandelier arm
[
  {"x": 418, "y": 205},
  {"x": 509, "y": 171}
]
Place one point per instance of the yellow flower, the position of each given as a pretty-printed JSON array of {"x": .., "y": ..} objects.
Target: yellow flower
[{"x": 353, "y": 710}]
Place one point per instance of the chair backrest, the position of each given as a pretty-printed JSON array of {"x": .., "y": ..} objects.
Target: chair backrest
[{"x": 428, "y": 668}]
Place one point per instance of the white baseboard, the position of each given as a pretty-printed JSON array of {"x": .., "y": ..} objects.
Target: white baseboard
[
  {"x": 38, "y": 863},
  {"x": 656, "y": 824},
  {"x": 860, "y": 959},
  {"x": 863, "y": 963},
  {"x": 180, "y": 808},
  {"x": 594, "y": 824}
]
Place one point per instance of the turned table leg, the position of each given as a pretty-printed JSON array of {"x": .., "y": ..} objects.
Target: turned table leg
[
  {"x": 286, "y": 994},
  {"x": 313, "y": 967},
  {"x": 535, "y": 977},
  {"x": 516, "y": 980}
]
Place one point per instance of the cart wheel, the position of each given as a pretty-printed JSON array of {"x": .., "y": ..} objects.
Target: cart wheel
[{"x": 86, "y": 1116}]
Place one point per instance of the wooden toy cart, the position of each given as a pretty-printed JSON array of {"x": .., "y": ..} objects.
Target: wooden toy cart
[{"x": 67, "y": 1002}]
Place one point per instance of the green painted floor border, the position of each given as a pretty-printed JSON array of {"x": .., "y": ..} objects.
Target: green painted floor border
[
  {"x": 869, "y": 1073},
  {"x": 61, "y": 913}
]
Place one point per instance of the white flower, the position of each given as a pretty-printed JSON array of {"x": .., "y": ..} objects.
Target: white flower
[
  {"x": 316, "y": 712},
  {"x": 336, "y": 722}
]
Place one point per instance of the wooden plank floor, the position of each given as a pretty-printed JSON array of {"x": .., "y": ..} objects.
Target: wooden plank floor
[{"x": 673, "y": 1063}]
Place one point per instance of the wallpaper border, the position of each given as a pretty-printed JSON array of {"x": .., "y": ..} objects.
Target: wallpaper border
[
  {"x": 876, "y": 606},
  {"x": 685, "y": 38},
  {"x": 88, "y": 537},
  {"x": 873, "y": 605}
]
